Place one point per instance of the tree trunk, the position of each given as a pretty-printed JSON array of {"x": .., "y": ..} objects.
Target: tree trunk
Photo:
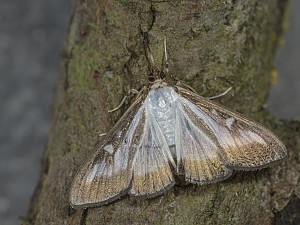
[{"x": 212, "y": 45}]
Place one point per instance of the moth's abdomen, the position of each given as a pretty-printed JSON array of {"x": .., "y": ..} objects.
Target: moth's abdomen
[{"x": 161, "y": 104}]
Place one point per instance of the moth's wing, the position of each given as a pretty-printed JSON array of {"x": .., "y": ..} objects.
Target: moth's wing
[
  {"x": 243, "y": 143},
  {"x": 197, "y": 155},
  {"x": 107, "y": 175},
  {"x": 152, "y": 173}
]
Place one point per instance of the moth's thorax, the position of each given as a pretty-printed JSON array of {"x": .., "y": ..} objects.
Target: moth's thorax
[
  {"x": 160, "y": 83},
  {"x": 160, "y": 103}
]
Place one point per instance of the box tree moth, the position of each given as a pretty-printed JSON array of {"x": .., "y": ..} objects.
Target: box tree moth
[{"x": 171, "y": 131}]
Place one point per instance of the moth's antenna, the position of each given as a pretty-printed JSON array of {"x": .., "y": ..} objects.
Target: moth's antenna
[
  {"x": 149, "y": 55},
  {"x": 166, "y": 55},
  {"x": 166, "y": 66},
  {"x": 156, "y": 74}
]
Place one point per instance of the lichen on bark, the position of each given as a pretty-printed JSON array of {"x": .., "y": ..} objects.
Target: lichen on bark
[{"x": 212, "y": 45}]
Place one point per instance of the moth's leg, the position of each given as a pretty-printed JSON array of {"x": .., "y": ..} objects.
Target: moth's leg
[
  {"x": 131, "y": 91},
  {"x": 220, "y": 95},
  {"x": 186, "y": 86}
]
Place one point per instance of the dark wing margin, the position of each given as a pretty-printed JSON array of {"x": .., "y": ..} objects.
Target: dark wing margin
[
  {"x": 107, "y": 175},
  {"x": 243, "y": 143}
]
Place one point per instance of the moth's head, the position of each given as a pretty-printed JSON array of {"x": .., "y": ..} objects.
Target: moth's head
[
  {"x": 157, "y": 79},
  {"x": 155, "y": 75}
]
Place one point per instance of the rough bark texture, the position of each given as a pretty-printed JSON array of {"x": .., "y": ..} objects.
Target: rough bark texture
[{"x": 212, "y": 45}]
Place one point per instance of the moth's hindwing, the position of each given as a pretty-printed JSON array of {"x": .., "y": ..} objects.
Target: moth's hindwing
[
  {"x": 198, "y": 157},
  {"x": 152, "y": 172},
  {"x": 242, "y": 143}
]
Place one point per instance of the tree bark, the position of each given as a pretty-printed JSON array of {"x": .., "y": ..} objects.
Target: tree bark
[{"x": 212, "y": 45}]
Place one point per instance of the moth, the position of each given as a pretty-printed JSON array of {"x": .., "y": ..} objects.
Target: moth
[{"x": 171, "y": 131}]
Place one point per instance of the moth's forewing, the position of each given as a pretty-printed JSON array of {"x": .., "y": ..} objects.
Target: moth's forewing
[
  {"x": 107, "y": 174},
  {"x": 243, "y": 143}
]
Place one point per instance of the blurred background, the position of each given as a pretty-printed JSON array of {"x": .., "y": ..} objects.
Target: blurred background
[{"x": 31, "y": 38}]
